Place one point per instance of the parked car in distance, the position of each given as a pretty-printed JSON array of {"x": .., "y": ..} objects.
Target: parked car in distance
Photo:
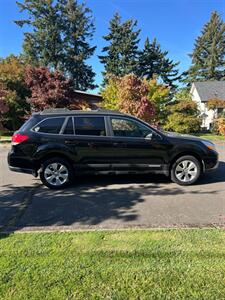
[{"x": 57, "y": 144}]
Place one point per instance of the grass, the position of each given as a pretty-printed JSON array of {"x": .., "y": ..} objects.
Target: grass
[
  {"x": 5, "y": 138},
  {"x": 166, "y": 264},
  {"x": 210, "y": 136}
]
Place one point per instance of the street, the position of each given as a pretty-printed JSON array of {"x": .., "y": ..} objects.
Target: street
[{"x": 111, "y": 202}]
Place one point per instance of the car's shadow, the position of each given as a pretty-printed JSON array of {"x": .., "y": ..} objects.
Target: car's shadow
[
  {"x": 214, "y": 176},
  {"x": 97, "y": 200}
]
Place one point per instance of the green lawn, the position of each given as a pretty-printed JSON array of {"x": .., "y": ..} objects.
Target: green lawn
[
  {"x": 5, "y": 138},
  {"x": 165, "y": 264},
  {"x": 210, "y": 136}
]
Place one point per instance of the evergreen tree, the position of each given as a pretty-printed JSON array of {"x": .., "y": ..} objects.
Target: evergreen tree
[
  {"x": 208, "y": 57},
  {"x": 59, "y": 39},
  {"x": 42, "y": 45},
  {"x": 122, "y": 52},
  {"x": 78, "y": 28},
  {"x": 154, "y": 62}
]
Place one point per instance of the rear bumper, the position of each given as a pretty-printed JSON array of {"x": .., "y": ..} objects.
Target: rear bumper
[
  {"x": 21, "y": 164},
  {"x": 23, "y": 170}
]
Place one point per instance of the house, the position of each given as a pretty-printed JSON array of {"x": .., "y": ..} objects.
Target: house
[
  {"x": 93, "y": 100},
  {"x": 201, "y": 92}
]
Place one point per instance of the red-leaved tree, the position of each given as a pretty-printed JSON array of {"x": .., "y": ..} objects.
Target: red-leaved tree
[
  {"x": 50, "y": 90},
  {"x": 133, "y": 98},
  {"x": 129, "y": 94}
]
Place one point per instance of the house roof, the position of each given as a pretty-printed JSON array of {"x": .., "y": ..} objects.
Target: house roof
[
  {"x": 210, "y": 90},
  {"x": 89, "y": 97},
  {"x": 93, "y": 99},
  {"x": 86, "y": 93}
]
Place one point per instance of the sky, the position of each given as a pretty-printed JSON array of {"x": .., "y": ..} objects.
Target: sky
[{"x": 175, "y": 24}]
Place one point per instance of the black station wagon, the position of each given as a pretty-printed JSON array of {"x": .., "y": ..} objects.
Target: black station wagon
[{"x": 57, "y": 144}]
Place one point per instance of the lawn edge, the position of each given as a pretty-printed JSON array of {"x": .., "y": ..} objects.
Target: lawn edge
[{"x": 69, "y": 230}]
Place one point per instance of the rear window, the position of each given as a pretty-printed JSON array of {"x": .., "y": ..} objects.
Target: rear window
[
  {"x": 28, "y": 124},
  {"x": 51, "y": 125},
  {"x": 90, "y": 126}
]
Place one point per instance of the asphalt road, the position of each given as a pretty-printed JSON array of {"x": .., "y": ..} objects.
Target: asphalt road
[{"x": 111, "y": 202}]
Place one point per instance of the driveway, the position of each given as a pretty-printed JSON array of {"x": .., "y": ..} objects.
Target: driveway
[{"x": 111, "y": 202}]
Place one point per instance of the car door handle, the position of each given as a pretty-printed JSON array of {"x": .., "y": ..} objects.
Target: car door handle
[
  {"x": 118, "y": 144},
  {"x": 71, "y": 142},
  {"x": 92, "y": 145}
]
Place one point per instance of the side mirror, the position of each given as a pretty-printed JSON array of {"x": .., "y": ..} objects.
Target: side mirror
[
  {"x": 153, "y": 136},
  {"x": 149, "y": 136}
]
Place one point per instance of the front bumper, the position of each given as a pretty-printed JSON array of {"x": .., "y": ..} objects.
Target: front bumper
[
  {"x": 211, "y": 162},
  {"x": 213, "y": 168}
]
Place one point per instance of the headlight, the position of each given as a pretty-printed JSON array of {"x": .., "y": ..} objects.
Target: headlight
[{"x": 209, "y": 145}]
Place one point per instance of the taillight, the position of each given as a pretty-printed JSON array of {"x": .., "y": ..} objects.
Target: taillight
[{"x": 18, "y": 138}]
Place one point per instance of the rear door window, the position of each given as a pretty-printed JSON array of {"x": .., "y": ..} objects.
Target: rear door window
[
  {"x": 51, "y": 125},
  {"x": 90, "y": 126},
  {"x": 69, "y": 127}
]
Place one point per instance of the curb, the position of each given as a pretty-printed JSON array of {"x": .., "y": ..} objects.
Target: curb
[
  {"x": 64, "y": 229},
  {"x": 5, "y": 142}
]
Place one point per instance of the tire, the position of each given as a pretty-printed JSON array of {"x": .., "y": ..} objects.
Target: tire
[
  {"x": 56, "y": 173},
  {"x": 186, "y": 170}
]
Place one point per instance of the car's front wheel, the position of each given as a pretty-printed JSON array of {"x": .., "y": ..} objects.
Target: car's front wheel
[
  {"x": 186, "y": 170},
  {"x": 56, "y": 173}
]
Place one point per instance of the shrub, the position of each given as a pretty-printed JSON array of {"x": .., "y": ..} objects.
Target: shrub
[
  {"x": 219, "y": 126},
  {"x": 179, "y": 122},
  {"x": 215, "y": 103},
  {"x": 183, "y": 117}
]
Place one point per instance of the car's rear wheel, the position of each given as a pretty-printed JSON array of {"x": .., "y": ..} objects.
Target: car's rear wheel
[
  {"x": 186, "y": 170},
  {"x": 56, "y": 173}
]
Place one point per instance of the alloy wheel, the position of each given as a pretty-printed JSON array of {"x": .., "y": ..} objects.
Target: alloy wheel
[
  {"x": 186, "y": 171},
  {"x": 56, "y": 174}
]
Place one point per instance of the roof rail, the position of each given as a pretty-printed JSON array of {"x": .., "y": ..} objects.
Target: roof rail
[
  {"x": 54, "y": 110},
  {"x": 106, "y": 110}
]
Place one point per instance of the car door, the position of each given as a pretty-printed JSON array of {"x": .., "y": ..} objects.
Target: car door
[
  {"x": 136, "y": 146},
  {"x": 90, "y": 143}
]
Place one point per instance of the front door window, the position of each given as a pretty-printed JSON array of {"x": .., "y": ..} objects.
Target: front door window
[{"x": 128, "y": 128}]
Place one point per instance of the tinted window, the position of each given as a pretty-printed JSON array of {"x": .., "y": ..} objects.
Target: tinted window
[
  {"x": 69, "y": 127},
  {"x": 128, "y": 128},
  {"x": 90, "y": 126},
  {"x": 52, "y": 125},
  {"x": 28, "y": 124}
]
